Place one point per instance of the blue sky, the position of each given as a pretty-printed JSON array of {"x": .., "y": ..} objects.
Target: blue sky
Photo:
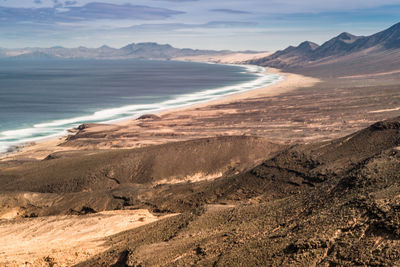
[{"x": 208, "y": 24}]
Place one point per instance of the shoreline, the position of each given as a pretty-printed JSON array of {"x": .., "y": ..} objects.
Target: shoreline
[
  {"x": 43, "y": 147},
  {"x": 180, "y": 101},
  {"x": 219, "y": 99}
]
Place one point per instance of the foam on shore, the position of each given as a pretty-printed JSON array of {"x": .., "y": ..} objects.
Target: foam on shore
[{"x": 45, "y": 130}]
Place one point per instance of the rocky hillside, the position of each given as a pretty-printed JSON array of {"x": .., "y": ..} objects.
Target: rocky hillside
[
  {"x": 344, "y": 54},
  {"x": 334, "y": 203},
  {"x": 327, "y": 204}
]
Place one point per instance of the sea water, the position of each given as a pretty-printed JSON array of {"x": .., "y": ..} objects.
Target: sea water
[{"x": 45, "y": 98}]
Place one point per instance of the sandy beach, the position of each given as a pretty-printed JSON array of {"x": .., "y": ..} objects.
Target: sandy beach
[
  {"x": 235, "y": 58},
  {"x": 133, "y": 133}
]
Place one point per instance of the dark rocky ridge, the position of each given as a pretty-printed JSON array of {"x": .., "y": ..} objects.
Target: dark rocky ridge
[
  {"x": 327, "y": 204},
  {"x": 334, "y": 203},
  {"x": 79, "y": 180}
]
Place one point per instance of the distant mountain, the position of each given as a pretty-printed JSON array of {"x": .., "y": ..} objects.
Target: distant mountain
[
  {"x": 131, "y": 51},
  {"x": 337, "y": 46},
  {"x": 33, "y": 55},
  {"x": 290, "y": 55},
  {"x": 166, "y": 51},
  {"x": 344, "y": 54}
]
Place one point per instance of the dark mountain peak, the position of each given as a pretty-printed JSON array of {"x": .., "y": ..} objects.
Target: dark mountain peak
[
  {"x": 346, "y": 36},
  {"x": 149, "y": 45},
  {"x": 392, "y": 32},
  {"x": 105, "y": 47},
  {"x": 307, "y": 45},
  {"x": 288, "y": 49},
  {"x": 129, "y": 46},
  {"x": 154, "y": 44},
  {"x": 57, "y": 47},
  {"x": 395, "y": 28},
  {"x": 389, "y": 38},
  {"x": 337, "y": 46},
  {"x": 291, "y": 54}
]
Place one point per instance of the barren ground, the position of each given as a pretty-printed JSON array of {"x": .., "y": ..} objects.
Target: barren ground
[{"x": 64, "y": 240}]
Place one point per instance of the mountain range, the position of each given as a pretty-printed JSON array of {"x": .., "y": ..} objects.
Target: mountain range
[
  {"x": 343, "y": 54},
  {"x": 131, "y": 51}
]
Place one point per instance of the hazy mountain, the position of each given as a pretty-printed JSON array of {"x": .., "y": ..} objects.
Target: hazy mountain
[
  {"x": 290, "y": 55},
  {"x": 131, "y": 51},
  {"x": 387, "y": 39},
  {"x": 166, "y": 51},
  {"x": 339, "y": 45},
  {"x": 343, "y": 54}
]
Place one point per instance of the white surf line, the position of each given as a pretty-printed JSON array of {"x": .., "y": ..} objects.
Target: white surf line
[
  {"x": 186, "y": 100},
  {"x": 57, "y": 128}
]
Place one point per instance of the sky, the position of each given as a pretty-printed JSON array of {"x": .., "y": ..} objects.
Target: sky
[{"x": 262, "y": 25}]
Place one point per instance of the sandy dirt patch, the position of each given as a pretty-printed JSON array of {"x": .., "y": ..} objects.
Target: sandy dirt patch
[
  {"x": 233, "y": 58},
  {"x": 64, "y": 240}
]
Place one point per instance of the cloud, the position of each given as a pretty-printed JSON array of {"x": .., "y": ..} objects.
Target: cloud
[
  {"x": 10, "y": 14},
  {"x": 88, "y": 12},
  {"x": 70, "y": 3},
  {"x": 227, "y": 24},
  {"x": 229, "y": 11},
  {"x": 178, "y": 26},
  {"x": 93, "y": 11},
  {"x": 57, "y": 4}
]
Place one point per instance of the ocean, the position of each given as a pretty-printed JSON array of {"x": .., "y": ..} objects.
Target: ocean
[{"x": 44, "y": 98}]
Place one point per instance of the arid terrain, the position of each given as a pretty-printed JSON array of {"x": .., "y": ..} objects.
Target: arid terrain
[
  {"x": 327, "y": 203},
  {"x": 65, "y": 240},
  {"x": 302, "y": 173}
]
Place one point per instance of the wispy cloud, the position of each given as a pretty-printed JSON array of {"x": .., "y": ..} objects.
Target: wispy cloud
[
  {"x": 229, "y": 11},
  {"x": 177, "y": 26},
  {"x": 70, "y": 3},
  {"x": 94, "y": 11},
  {"x": 88, "y": 12}
]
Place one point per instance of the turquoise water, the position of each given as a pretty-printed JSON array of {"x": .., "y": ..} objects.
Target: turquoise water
[{"x": 44, "y": 98}]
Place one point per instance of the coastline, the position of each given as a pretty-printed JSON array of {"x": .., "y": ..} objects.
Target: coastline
[{"x": 42, "y": 148}]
